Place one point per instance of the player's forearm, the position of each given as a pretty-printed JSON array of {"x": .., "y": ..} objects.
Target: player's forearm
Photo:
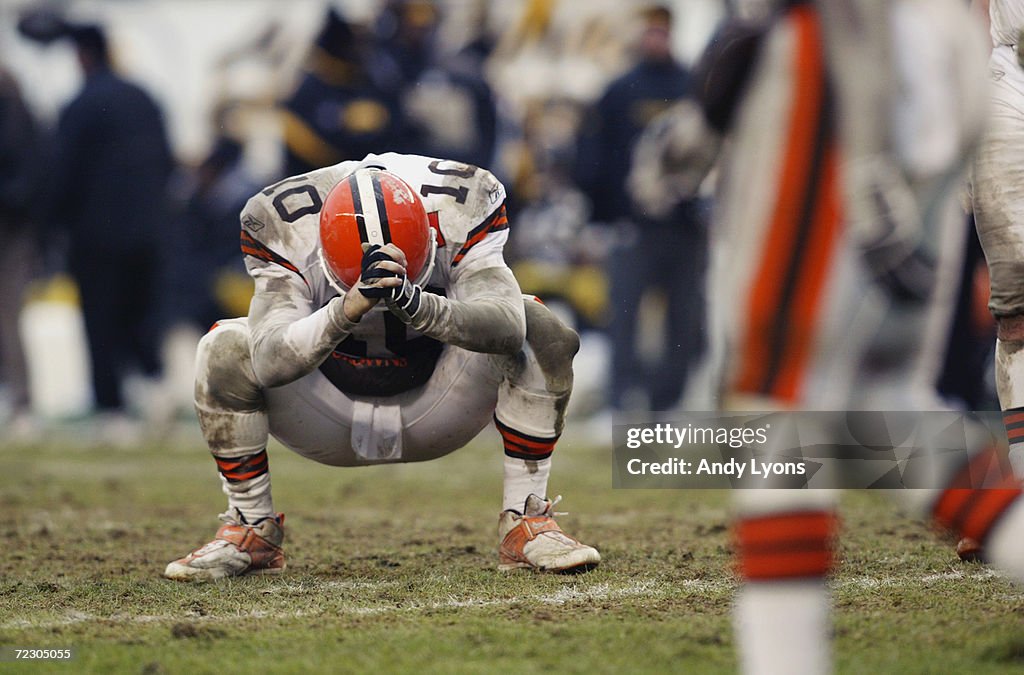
[
  {"x": 285, "y": 349},
  {"x": 490, "y": 319}
]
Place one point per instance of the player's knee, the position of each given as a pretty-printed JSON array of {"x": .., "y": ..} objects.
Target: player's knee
[
  {"x": 558, "y": 346},
  {"x": 553, "y": 343},
  {"x": 224, "y": 374},
  {"x": 1010, "y": 328}
]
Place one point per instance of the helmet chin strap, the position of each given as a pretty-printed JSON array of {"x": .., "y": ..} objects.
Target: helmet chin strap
[{"x": 420, "y": 280}]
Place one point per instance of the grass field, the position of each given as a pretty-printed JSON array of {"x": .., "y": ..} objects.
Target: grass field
[{"x": 391, "y": 569}]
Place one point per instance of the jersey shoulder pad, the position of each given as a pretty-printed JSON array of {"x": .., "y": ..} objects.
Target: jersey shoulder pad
[
  {"x": 482, "y": 208},
  {"x": 261, "y": 240},
  {"x": 280, "y": 223},
  {"x": 286, "y": 214}
]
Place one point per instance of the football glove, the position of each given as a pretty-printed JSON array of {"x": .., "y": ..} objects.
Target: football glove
[
  {"x": 404, "y": 300},
  {"x": 887, "y": 227},
  {"x": 371, "y": 271}
]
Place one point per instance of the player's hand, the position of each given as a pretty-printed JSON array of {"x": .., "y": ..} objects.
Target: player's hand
[
  {"x": 885, "y": 223},
  {"x": 404, "y": 300},
  {"x": 383, "y": 271},
  {"x": 402, "y": 295}
]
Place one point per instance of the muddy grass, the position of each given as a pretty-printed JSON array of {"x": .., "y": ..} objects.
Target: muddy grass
[{"x": 391, "y": 569}]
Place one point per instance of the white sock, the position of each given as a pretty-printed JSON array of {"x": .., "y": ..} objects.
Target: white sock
[
  {"x": 252, "y": 497},
  {"x": 523, "y": 477},
  {"x": 783, "y": 627},
  {"x": 1004, "y": 546},
  {"x": 1013, "y": 420},
  {"x": 236, "y": 435},
  {"x": 1016, "y": 456},
  {"x": 1009, "y": 364}
]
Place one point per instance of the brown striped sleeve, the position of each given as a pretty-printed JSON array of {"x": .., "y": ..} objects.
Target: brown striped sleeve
[
  {"x": 498, "y": 220},
  {"x": 257, "y": 249}
]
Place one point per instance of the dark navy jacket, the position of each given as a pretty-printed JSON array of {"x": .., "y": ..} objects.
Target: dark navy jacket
[
  {"x": 612, "y": 126},
  {"x": 111, "y": 169}
]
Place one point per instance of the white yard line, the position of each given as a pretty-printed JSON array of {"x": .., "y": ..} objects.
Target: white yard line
[
  {"x": 957, "y": 575},
  {"x": 643, "y": 588},
  {"x": 602, "y": 591},
  {"x": 868, "y": 583},
  {"x": 293, "y": 586},
  {"x": 560, "y": 597}
]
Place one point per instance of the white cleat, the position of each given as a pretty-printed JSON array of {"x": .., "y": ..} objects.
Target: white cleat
[
  {"x": 238, "y": 549},
  {"x": 533, "y": 540}
]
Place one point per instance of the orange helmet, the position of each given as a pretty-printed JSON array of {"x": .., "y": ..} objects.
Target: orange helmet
[{"x": 373, "y": 206}]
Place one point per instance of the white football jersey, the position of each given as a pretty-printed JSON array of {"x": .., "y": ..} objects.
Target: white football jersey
[
  {"x": 382, "y": 356},
  {"x": 1007, "y": 21}
]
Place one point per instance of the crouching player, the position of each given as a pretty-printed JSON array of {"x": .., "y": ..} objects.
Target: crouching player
[{"x": 385, "y": 327}]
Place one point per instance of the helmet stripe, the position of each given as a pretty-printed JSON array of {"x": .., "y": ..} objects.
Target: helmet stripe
[
  {"x": 357, "y": 206},
  {"x": 382, "y": 210},
  {"x": 368, "y": 189}
]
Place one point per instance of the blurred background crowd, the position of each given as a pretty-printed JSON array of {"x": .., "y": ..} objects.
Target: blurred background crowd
[{"x": 133, "y": 131}]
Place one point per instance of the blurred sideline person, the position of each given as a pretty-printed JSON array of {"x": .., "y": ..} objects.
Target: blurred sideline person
[
  {"x": 20, "y": 163},
  {"x": 109, "y": 191},
  {"x": 347, "y": 103},
  {"x": 965, "y": 378},
  {"x": 201, "y": 285},
  {"x": 446, "y": 101},
  {"x": 208, "y": 279},
  {"x": 385, "y": 328},
  {"x": 831, "y": 265},
  {"x": 664, "y": 252}
]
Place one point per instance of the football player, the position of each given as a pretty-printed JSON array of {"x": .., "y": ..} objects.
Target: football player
[
  {"x": 830, "y": 297},
  {"x": 874, "y": 229},
  {"x": 385, "y": 327},
  {"x": 998, "y": 192}
]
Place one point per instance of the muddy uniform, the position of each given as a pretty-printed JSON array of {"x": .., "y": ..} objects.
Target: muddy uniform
[
  {"x": 406, "y": 378},
  {"x": 999, "y": 168},
  {"x": 380, "y": 390},
  {"x": 998, "y": 189}
]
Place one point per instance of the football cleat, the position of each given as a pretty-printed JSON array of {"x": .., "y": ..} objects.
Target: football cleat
[
  {"x": 970, "y": 550},
  {"x": 533, "y": 540},
  {"x": 238, "y": 549}
]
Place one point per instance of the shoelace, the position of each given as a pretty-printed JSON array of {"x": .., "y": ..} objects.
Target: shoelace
[
  {"x": 235, "y": 517},
  {"x": 232, "y": 517},
  {"x": 549, "y": 511}
]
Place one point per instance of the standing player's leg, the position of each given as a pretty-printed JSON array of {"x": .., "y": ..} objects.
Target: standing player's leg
[
  {"x": 998, "y": 195},
  {"x": 881, "y": 213},
  {"x": 992, "y": 515},
  {"x": 785, "y": 551},
  {"x": 785, "y": 284},
  {"x": 998, "y": 190},
  {"x": 232, "y": 415},
  {"x": 530, "y": 416}
]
